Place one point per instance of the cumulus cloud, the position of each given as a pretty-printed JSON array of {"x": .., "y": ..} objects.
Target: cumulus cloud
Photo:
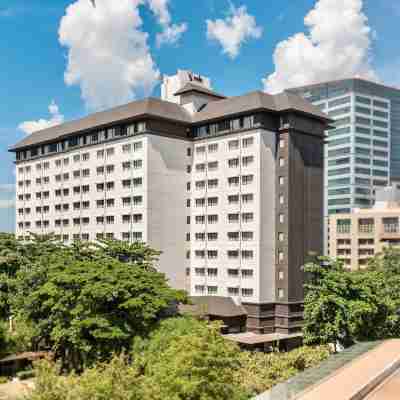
[
  {"x": 171, "y": 32},
  {"x": 233, "y": 31},
  {"x": 108, "y": 52},
  {"x": 32, "y": 126},
  {"x": 337, "y": 46}
]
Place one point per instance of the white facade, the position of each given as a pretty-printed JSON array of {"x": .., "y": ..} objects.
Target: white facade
[
  {"x": 232, "y": 216},
  {"x": 207, "y": 205},
  {"x": 128, "y": 189}
]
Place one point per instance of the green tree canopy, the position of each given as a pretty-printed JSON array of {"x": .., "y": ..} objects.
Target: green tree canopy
[{"x": 343, "y": 306}]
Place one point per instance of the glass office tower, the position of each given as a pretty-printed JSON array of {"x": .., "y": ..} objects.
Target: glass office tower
[{"x": 362, "y": 153}]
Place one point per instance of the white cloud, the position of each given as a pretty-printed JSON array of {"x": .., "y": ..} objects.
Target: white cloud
[
  {"x": 108, "y": 55},
  {"x": 108, "y": 52},
  {"x": 171, "y": 32},
  {"x": 32, "y": 126},
  {"x": 233, "y": 31},
  {"x": 337, "y": 46}
]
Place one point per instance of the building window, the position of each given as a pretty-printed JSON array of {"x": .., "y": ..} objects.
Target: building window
[
  {"x": 233, "y": 218},
  {"x": 247, "y": 292},
  {"x": 343, "y": 226},
  {"x": 233, "y": 273},
  {"x": 233, "y": 144},
  {"x": 366, "y": 225},
  {"x": 247, "y": 142},
  {"x": 233, "y": 199},
  {"x": 233, "y": 236},
  {"x": 233, "y": 163},
  {"x": 391, "y": 225},
  {"x": 213, "y": 166},
  {"x": 212, "y": 219},
  {"x": 281, "y": 293},
  {"x": 212, "y": 201},
  {"x": 200, "y": 150},
  {"x": 233, "y": 181},
  {"x": 199, "y": 289},
  {"x": 213, "y": 147},
  {"x": 212, "y": 183},
  {"x": 200, "y": 167},
  {"x": 246, "y": 161},
  {"x": 247, "y": 273},
  {"x": 212, "y": 290},
  {"x": 233, "y": 291},
  {"x": 247, "y": 179},
  {"x": 281, "y": 162}
]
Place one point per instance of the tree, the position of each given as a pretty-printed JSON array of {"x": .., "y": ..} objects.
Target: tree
[
  {"x": 189, "y": 359},
  {"x": 86, "y": 307},
  {"x": 343, "y": 306}
]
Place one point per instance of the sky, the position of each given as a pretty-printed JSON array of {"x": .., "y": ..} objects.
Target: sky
[{"x": 62, "y": 59}]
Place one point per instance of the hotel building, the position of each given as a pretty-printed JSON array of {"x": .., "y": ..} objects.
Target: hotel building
[{"x": 229, "y": 189}]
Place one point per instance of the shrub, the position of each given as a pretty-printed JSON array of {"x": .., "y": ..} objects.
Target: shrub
[{"x": 260, "y": 372}]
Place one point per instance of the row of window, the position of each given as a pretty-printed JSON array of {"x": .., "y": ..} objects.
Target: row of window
[
  {"x": 232, "y": 272},
  {"x": 214, "y": 218},
  {"x": 232, "y": 145},
  {"x": 109, "y": 219},
  {"x": 357, "y": 181},
  {"x": 361, "y": 242},
  {"x": 366, "y": 225},
  {"x": 232, "y": 291},
  {"x": 134, "y": 236},
  {"x": 232, "y": 163},
  {"x": 232, "y": 236},
  {"x": 126, "y": 148},
  {"x": 359, "y": 140},
  {"x": 358, "y": 170},
  {"x": 82, "y": 140},
  {"x": 213, "y": 201},
  {"x": 231, "y": 254}
]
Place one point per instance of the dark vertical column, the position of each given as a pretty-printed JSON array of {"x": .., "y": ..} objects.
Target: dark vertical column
[{"x": 299, "y": 226}]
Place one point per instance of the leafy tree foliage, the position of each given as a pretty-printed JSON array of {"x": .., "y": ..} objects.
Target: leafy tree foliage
[
  {"x": 343, "y": 306},
  {"x": 84, "y": 301},
  {"x": 183, "y": 359},
  {"x": 189, "y": 359},
  {"x": 259, "y": 372}
]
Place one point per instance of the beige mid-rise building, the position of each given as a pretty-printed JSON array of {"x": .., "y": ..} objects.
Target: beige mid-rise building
[{"x": 358, "y": 236}]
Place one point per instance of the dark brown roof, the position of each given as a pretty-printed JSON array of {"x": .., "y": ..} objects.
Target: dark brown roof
[
  {"x": 213, "y": 306},
  {"x": 192, "y": 87},
  {"x": 147, "y": 107},
  {"x": 258, "y": 101},
  {"x": 222, "y": 108}
]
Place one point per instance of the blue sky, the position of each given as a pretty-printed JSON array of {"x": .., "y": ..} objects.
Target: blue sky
[{"x": 33, "y": 61}]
